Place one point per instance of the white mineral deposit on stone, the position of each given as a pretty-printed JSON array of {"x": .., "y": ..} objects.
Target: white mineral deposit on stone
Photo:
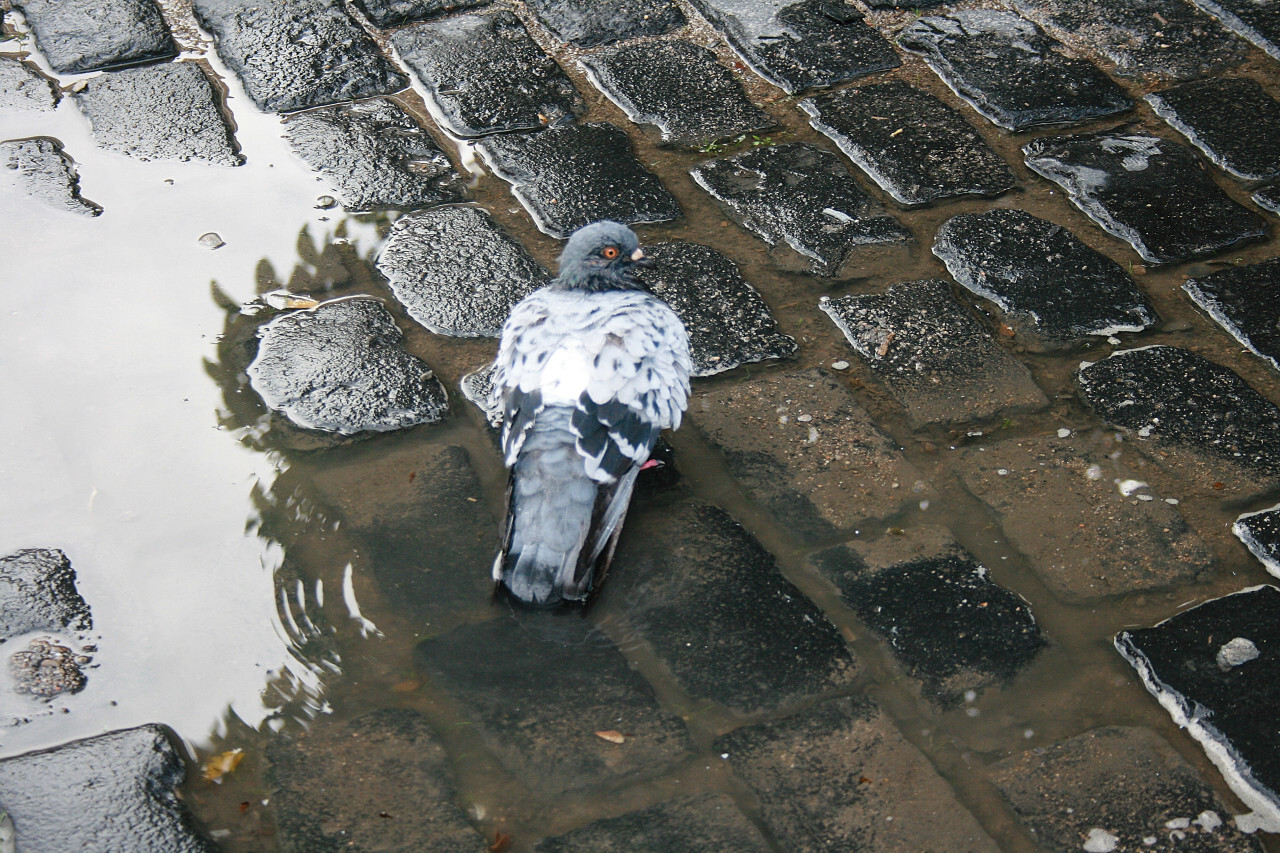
[
  {"x": 1208, "y": 820},
  {"x": 1100, "y": 841},
  {"x": 1236, "y": 652}
]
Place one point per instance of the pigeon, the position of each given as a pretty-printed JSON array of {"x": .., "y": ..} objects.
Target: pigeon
[{"x": 590, "y": 369}]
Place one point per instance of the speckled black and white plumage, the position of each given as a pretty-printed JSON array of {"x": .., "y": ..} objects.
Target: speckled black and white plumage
[{"x": 590, "y": 370}]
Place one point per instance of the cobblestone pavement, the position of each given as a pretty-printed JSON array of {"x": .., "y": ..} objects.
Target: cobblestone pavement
[{"x": 965, "y": 543}]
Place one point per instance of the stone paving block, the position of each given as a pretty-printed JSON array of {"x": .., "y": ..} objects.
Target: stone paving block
[
  {"x": 159, "y": 112},
  {"x": 89, "y": 35},
  {"x": 568, "y": 176},
  {"x": 1230, "y": 119},
  {"x": 339, "y": 367},
  {"x": 802, "y": 196},
  {"x": 38, "y": 593},
  {"x": 1116, "y": 789},
  {"x": 1110, "y": 535},
  {"x": 801, "y": 445},
  {"x": 705, "y": 823},
  {"x": 677, "y": 87},
  {"x": 1144, "y": 38},
  {"x": 916, "y": 148},
  {"x": 591, "y": 23},
  {"x": 1008, "y": 70},
  {"x": 396, "y": 13},
  {"x": 1260, "y": 532},
  {"x": 933, "y": 355},
  {"x": 829, "y": 778},
  {"x": 297, "y": 54},
  {"x": 378, "y": 782},
  {"x": 716, "y": 610},
  {"x": 1216, "y": 669},
  {"x": 1245, "y": 301},
  {"x": 540, "y": 685},
  {"x": 47, "y": 669},
  {"x": 39, "y": 168},
  {"x": 1196, "y": 418},
  {"x": 1056, "y": 292},
  {"x": 113, "y": 793},
  {"x": 1268, "y": 198},
  {"x": 485, "y": 74},
  {"x": 375, "y": 156},
  {"x": 728, "y": 322},
  {"x": 421, "y": 522},
  {"x": 1150, "y": 192},
  {"x": 1259, "y": 22},
  {"x": 949, "y": 624},
  {"x": 800, "y": 45},
  {"x": 23, "y": 87},
  {"x": 456, "y": 271}
]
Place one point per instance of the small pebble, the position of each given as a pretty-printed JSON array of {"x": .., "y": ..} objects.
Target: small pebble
[{"x": 211, "y": 240}]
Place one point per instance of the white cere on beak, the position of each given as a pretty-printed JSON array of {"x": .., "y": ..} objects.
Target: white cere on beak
[{"x": 637, "y": 254}]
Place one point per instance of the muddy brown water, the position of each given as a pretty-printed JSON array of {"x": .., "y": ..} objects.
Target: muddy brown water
[{"x": 342, "y": 667}]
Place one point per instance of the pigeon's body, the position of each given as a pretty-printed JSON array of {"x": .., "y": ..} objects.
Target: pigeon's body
[{"x": 590, "y": 370}]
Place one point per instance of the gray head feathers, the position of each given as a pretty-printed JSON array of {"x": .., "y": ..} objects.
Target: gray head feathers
[{"x": 601, "y": 256}]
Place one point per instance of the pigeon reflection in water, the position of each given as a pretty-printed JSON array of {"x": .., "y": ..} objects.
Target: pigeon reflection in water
[{"x": 590, "y": 370}]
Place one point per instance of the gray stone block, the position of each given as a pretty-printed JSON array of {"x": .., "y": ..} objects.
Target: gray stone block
[
  {"x": 933, "y": 355},
  {"x": 89, "y": 35},
  {"x": 23, "y": 87},
  {"x": 38, "y": 168},
  {"x": 1008, "y": 70},
  {"x": 916, "y": 148},
  {"x": 396, "y": 13},
  {"x": 159, "y": 112},
  {"x": 677, "y": 87},
  {"x": 1230, "y": 119},
  {"x": 591, "y": 23},
  {"x": 38, "y": 593},
  {"x": 375, "y": 156},
  {"x": 339, "y": 367},
  {"x": 801, "y": 196}
]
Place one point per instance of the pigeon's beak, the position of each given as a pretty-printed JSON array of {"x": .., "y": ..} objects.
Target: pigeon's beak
[{"x": 640, "y": 259}]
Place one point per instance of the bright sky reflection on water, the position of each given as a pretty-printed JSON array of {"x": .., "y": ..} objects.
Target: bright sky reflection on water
[{"x": 109, "y": 445}]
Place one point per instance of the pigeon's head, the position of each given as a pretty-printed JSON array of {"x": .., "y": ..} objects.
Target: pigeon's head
[{"x": 602, "y": 256}]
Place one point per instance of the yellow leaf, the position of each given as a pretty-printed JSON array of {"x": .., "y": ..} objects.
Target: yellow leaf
[{"x": 221, "y": 764}]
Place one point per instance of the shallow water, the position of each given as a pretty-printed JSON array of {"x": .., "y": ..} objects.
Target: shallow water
[{"x": 229, "y": 602}]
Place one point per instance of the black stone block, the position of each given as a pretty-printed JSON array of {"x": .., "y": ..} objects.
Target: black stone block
[
  {"x": 1144, "y": 38},
  {"x": 1148, "y": 191},
  {"x": 113, "y": 793},
  {"x": 948, "y": 623},
  {"x": 457, "y": 272},
  {"x": 728, "y": 322},
  {"x": 803, "y": 196},
  {"x": 38, "y": 593},
  {"x": 38, "y": 168},
  {"x": 916, "y": 148},
  {"x": 297, "y": 54},
  {"x": 378, "y": 782},
  {"x": 160, "y": 112},
  {"x": 1268, "y": 198},
  {"x": 1200, "y": 417},
  {"x": 591, "y": 23},
  {"x": 711, "y": 602},
  {"x": 485, "y": 74},
  {"x": 1246, "y": 302},
  {"x": 800, "y": 45},
  {"x": 933, "y": 355},
  {"x": 705, "y": 823},
  {"x": 569, "y": 176},
  {"x": 1011, "y": 72},
  {"x": 1260, "y": 532},
  {"x": 1230, "y": 119},
  {"x": 1216, "y": 669},
  {"x": 396, "y": 13},
  {"x": 375, "y": 156},
  {"x": 339, "y": 367},
  {"x": 1055, "y": 291},
  {"x": 540, "y": 685},
  {"x": 89, "y": 35},
  {"x": 677, "y": 87}
]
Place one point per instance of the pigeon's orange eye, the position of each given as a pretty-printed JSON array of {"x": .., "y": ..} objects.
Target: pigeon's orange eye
[{"x": 610, "y": 252}]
